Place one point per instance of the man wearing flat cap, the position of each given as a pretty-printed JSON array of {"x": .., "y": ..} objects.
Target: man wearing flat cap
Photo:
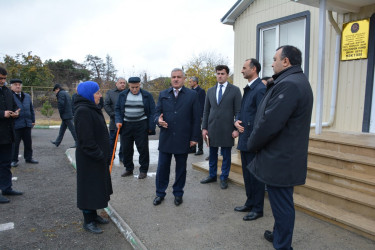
[
  {"x": 64, "y": 104},
  {"x": 134, "y": 111},
  {"x": 23, "y": 124}
]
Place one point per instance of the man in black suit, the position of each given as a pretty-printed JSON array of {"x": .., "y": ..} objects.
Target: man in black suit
[
  {"x": 280, "y": 139},
  {"x": 193, "y": 82},
  {"x": 252, "y": 95},
  {"x": 8, "y": 112},
  {"x": 177, "y": 115}
]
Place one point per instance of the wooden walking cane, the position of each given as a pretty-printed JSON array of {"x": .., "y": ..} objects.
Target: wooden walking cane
[{"x": 114, "y": 149}]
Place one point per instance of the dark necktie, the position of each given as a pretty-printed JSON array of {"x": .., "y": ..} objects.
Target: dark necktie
[
  {"x": 176, "y": 93},
  {"x": 220, "y": 94}
]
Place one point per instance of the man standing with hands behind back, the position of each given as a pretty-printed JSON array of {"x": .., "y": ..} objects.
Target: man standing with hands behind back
[
  {"x": 280, "y": 139},
  {"x": 8, "y": 112},
  {"x": 252, "y": 95},
  {"x": 177, "y": 115},
  {"x": 222, "y": 105}
]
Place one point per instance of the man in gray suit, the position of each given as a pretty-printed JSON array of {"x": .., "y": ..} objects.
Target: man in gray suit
[{"x": 222, "y": 105}]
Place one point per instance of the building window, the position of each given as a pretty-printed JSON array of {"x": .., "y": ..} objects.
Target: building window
[{"x": 292, "y": 30}]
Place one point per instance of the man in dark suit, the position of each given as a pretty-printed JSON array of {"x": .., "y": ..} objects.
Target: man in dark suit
[
  {"x": 8, "y": 112},
  {"x": 193, "y": 82},
  {"x": 64, "y": 105},
  {"x": 280, "y": 139},
  {"x": 222, "y": 105},
  {"x": 253, "y": 94},
  {"x": 177, "y": 115}
]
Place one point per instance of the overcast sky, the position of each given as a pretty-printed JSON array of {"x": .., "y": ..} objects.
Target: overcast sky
[{"x": 140, "y": 35}]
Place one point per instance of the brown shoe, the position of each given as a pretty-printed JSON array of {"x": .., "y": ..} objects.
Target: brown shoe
[
  {"x": 127, "y": 173},
  {"x": 142, "y": 175}
]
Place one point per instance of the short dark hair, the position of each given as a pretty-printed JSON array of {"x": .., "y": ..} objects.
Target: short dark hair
[
  {"x": 3, "y": 71},
  {"x": 221, "y": 67},
  {"x": 255, "y": 63},
  {"x": 292, "y": 53},
  {"x": 266, "y": 78}
]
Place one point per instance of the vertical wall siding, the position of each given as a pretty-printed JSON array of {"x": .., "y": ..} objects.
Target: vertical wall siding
[{"x": 352, "y": 76}]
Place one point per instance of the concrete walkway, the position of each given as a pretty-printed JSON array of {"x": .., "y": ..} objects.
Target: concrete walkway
[{"x": 206, "y": 219}]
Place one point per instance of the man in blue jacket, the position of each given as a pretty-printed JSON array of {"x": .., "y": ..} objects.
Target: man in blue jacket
[
  {"x": 134, "y": 112},
  {"x": 177, "y": 115},
  {"x": 23, "y": 124},
  {"x": 252, "y": 95}
]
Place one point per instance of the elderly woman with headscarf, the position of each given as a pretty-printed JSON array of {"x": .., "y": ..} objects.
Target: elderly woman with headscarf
[{"x": 94, "y": 185}]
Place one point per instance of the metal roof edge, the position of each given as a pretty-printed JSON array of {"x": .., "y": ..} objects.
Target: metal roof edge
[{"x": 240, "y": 6}]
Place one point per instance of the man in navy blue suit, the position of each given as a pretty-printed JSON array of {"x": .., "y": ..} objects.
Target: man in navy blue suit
[{"x": 178, "y": 117}]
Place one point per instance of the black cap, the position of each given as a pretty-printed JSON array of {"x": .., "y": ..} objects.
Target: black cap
[
  {"x": 57, "y": 86},
  {"x": 134, "y": 79},
  {"x": 15, "y": 80}
]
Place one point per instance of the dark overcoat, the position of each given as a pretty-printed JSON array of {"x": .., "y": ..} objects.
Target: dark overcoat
[
  {"x": 6, "y": 124},
  {"x": 280, "y": 136},
  {"x": 64, "y": 105},
  {"x": 201, "y": 97},
  {"x": 218, "y": 119},
  {"x": 182, "y": 116},
  {"x": 110, "y": 101},
  {"x": 92, "y": 156},
  {"x": 252, "y": 96},
  {"x": 26, "y": 117}
]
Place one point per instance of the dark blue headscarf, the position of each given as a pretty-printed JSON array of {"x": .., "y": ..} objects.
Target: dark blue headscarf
[{"x": 87, "y": 90}]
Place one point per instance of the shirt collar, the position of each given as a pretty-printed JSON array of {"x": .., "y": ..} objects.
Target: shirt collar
[{"x": 250, "y": 83}]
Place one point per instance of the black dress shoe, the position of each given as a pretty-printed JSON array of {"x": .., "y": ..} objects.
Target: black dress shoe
[
  {"x": 101, "y": 220},
  {"x": 208, "y": 179},
  {"x": 14, "y": 164},
  {"x": 158, "y": 200},
  {"x": 252, "y": 216},
  {"x": 32, "y": 161},
  {"x": 55, "y": 143},
  {"x": 268, "y": 235},
  {"x": 127, "y": 173},
  {"x": 207, "y": 158},
  {"x": 92, "y": 228},
  {"x": 178, "y": 200},
  {"x": 199, "y": 152},
  {"x": 12, "y": 192},
  {"x": 224, "y": 184},
  {"x": 3, "y": 199},
  {"x": 242, "y": 209},
  {"x": 142, "y": 175}
]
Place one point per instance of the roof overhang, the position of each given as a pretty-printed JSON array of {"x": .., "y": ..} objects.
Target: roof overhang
[{"x": 340, "y": 6}]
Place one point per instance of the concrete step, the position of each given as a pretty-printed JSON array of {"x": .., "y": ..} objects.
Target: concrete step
[
  {"x": 351, "y": 221},
  {"x": 357, "y": 181},
  {"x": 233, "y": 176},
  {"x": 343, "y": 198},
  {"x": 236, "y": 164},
  {"x": 341, "y": 160}
]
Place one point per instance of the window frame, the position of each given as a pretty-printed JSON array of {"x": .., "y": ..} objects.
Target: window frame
[{"x": 275, "y": 23}]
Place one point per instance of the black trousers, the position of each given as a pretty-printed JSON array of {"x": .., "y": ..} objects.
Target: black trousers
[
  {"x": 23, "y": 134},
  {"x": 112, "y": 139},
  {"x": 135, "y": 132},
  {"x": 66, "y": 124},
  {"x": 282, "y": 205},
  {"x": 254, "y": 188},
  {"x": 5, "y": 173}
]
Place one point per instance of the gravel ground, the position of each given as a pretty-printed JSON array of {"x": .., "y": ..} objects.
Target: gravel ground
[{"x": 46, "y": 216}]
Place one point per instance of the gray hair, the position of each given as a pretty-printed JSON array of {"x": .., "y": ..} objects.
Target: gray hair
[
  {"x": 178, "y": 69},
  {"x": 121, "y": 78},
  {"x": 195, "y": 79}
]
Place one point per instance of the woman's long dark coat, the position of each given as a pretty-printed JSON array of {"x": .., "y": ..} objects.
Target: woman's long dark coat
[{"x": 94, "y": 185}]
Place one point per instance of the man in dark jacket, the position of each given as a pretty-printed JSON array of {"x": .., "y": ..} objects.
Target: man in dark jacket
[
  {"x": 253, "y": 94},
  {"x": 23, "y": 124},
  {"x": 110, "y": 101},
  {"x": 177, "y": 115},
  {"x": 64, "y": 104},
  {"x": 8, "y": 112},
  {"x": 134, "y": 111},
  {"x": 222, "y": 105},
  {"x": 193, "y": 82},
  {"x": 280, "y": 139}
]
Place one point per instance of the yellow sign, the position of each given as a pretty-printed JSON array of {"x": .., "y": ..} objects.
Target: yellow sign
[{"x": 354, "y": 42}]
